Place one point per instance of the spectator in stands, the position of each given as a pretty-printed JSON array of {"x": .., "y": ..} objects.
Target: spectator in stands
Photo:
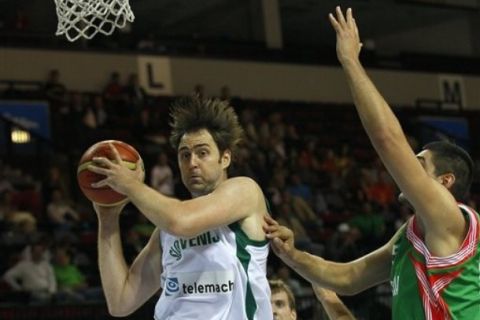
[
  {"x": 114, "y": 96},
  {"x": 71, "y": 282},
  {"x": 300, "y": 209},
  {"x": 143, "y": 227},
  {"x": 282, "y": 300},
  {"x": 6, "y": 203},
  {"x": 242, "y": 165},
  {"x": 20, "y": 225},
  {"x": 134, "y": 93},
  {"x": 60, "y": 212},
  {"x": 42, "y": 239},
  {"x": 286, "y": 217},
  {"x": 298, "y": 188},
  {"x": 161, "y": 176},
  {"x": 284, "y": 274},
  {"x": 56, "y": 180},
  {"x": 284, "y": 306},
  {"x": 113, "y": 89},
  {"x": 99, "y": 111},
  {"x": 367, "y": 227},
  {"x": 55, "y": 91},
  {"x": 35, "y": 276}
]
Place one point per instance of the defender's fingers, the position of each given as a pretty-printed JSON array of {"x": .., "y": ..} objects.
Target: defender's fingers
[
  {"x": 273, "y": 235},
  {"x": 271, "y": 227},
  {"x": 350, "y": 18},
  {"x": 355, "y": 27},
  {"x": 334, "y": 22},
  {"x": 340, "y": 16},
  {"x": 270, "y": 220},
  {"x": 280, "y": 245}
]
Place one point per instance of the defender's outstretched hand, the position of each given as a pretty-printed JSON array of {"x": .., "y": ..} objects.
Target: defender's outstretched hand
[
  {"x": 117, "y": 175},
  {"x": 348, "y": 38},
  {"x": 282, "y": 238}
]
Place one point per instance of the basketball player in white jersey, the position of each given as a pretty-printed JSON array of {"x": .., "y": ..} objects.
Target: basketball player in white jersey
[{"x": 209, "y": 254}]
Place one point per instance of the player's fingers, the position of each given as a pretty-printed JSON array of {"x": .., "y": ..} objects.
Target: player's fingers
[
  {"x": 116, "y": 154},
  {"x": 100, "y": 184},
  {"x": 334, "y": 22},
  {"x": 97, "y": 169},
  {"x": 340, "y": 16},
  {"x": 355, "y": 28},
  {"x": 140, "y": 169},
  {"x": 350, "y": 19}
]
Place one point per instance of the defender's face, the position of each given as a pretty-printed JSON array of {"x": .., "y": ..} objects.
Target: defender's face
[
  {"x": 281, "y": 307},
  {"x": 201, "y": 166},
  {"x": 425, "y": 159}
]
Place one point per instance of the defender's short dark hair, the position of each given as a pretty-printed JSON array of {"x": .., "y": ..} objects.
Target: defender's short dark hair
[
  {"x": 278, "y": 285},
  {"x": 451, "y": 158},
  {"x": 191, "y": 114}
]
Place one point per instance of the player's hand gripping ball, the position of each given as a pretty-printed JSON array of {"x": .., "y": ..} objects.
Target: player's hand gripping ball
[{"x": 104, "y": 196}]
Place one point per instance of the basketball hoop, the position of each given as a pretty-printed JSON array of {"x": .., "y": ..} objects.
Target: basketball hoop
[{"x": 85, "y": 18}]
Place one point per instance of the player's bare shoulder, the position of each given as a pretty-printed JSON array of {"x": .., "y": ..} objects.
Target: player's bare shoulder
[
  {"x": 252, "y": 202},
  {"x": 245, "y": 188}
]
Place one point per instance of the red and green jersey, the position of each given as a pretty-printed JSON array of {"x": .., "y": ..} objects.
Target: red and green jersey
[{"x": 436, "y": 288}]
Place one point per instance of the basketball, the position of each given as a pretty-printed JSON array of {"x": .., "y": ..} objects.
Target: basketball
[{"x": 104, "y": 196}]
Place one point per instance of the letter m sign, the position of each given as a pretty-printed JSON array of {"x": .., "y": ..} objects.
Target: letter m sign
[{"x": 452, "y": 91}]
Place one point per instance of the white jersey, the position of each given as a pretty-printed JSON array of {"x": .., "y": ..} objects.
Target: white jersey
[{"x": 218, "y": 275}]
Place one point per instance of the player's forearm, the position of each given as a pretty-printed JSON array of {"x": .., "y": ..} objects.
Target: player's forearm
[
  {"x": 112, "y": 265},
  {"x": 337, "y": 310},
  {"x": 332, "y": 305},
  {"x": 318, "y": 271},
  {"x": 162, "y": 211},
  {"x": 376, "y": 115}
]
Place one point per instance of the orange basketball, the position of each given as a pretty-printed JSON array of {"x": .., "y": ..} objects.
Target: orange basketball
[{"x": 104, "y": 196}]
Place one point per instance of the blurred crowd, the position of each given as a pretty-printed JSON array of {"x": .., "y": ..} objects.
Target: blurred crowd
[{"x": 313, "y": 162}]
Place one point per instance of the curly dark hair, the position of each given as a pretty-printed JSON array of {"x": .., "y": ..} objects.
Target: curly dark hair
[{"x": 190, "y": 114}]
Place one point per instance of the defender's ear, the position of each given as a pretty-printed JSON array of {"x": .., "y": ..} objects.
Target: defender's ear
[{"x": 447, "y": 179}]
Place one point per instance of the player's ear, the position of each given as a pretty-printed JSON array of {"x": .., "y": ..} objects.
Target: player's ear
[
  {"x": 294, "y": 314},
  {"x": 226, "y": 159},
  {"x": 447, "y": 179}
]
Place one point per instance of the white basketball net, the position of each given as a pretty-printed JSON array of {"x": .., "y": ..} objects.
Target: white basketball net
[{"x": 85, "y": 18}]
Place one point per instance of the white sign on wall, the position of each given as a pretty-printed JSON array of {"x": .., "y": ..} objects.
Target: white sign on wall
[
  {"x": 155, "y": 75},
  {"x": 452, "y": 91}
]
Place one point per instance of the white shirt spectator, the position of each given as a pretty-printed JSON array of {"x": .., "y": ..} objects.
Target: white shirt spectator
[
  {"x": 32, "y": 277},
  {"x": 161, "y": 176}
]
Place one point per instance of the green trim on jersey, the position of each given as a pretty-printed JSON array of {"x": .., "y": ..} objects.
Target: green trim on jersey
[
  {"x": 244, "y": 256},
  {"x": 235, "y": 227}
]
